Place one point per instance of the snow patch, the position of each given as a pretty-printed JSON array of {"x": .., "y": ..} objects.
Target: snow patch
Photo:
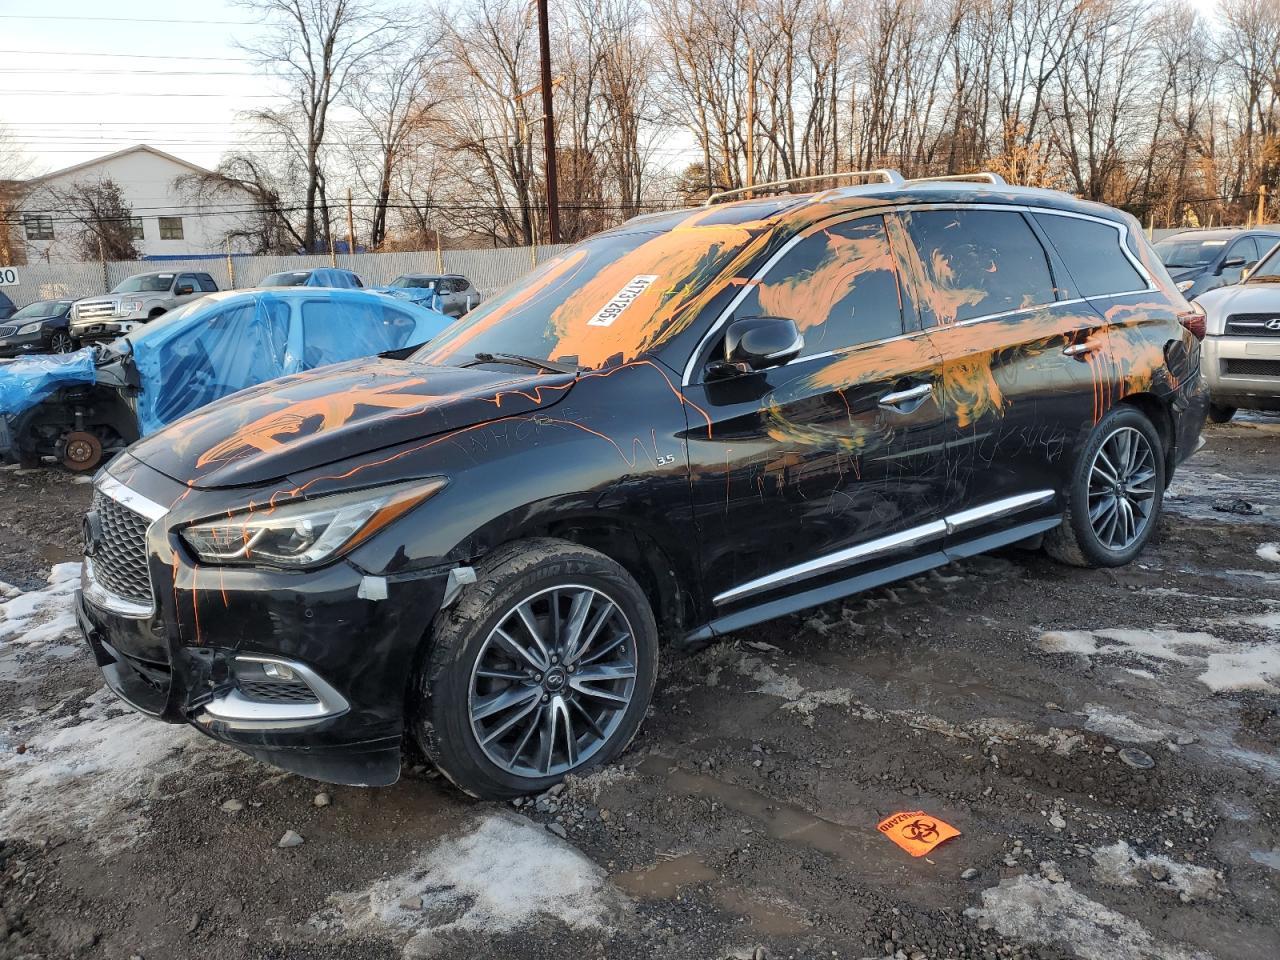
[
  {"x": 1119, "y": 726},
  {"x": 504, "y": 873},
  {"x": 1119, "y": 865},
  {"x": 1037, "y": 911},
  {"x": 91, "y": 774},
  {"x": 39, "y": 616},
  {"x": 1269, "y": 551}
]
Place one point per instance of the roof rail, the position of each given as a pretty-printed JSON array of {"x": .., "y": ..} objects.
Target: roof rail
[
  {"x": 986, "y": 175},
  {"x": 885, "y": 174}
]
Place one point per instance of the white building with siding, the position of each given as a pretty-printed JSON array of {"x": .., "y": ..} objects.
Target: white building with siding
[{"x": 167, "y": 220}]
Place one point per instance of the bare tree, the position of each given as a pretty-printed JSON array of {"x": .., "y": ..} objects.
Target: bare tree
[
  {"x": 318, "y": 47},
  {"x": 243, "y": 179},
  {"x": 104, "y": 225},
  {"x": 15, "y": 166}
]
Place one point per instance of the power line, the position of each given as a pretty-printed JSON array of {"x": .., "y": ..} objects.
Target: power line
[
  {"x": 102, "y": 71},
  {"x": 134, "y": 93},
  {"x": 129, "y": 56},
  {"x": 30, "y": 16}
]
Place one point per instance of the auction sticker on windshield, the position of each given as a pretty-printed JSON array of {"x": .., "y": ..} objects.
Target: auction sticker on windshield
[{"x": 622, "y": 299}]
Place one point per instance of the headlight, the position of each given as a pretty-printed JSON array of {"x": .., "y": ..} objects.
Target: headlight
[
  {"x": 29, "y": 328},
  {"x": 1184, "y": 285},
  {"x": 127, "y": 307},
  {"x": 300, "y": 533}
]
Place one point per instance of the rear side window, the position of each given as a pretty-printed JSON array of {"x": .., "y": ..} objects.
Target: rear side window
[
  {"x": 838, "y": 284},
  {"x": 978, "y": 262},
  {"x": 1093, "y": 255},
  {"x": 206, "y": 283}
]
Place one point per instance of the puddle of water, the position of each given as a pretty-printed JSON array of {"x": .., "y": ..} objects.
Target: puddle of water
[
  {"x": 766, "y": 918},
  {"x": 665, "y": 877},
  {"x": 874, "y": 856},
  {"x": 1268, "y": 858}
]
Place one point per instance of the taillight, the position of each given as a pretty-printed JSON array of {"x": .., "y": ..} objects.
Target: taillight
[{"x": 1194, "y": 320}]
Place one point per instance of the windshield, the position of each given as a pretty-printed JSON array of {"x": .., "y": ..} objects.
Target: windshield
[
  {"x": 425, "y": 283},
  {"x": 146, "y": 283},
  {"x": 1188, "y": 253},
  {"x": 42, "y": 309},
  {"x": 603, "y": 301},
  {"x": 290, "y": 278}
]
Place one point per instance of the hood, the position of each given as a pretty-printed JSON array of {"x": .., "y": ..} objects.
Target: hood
[
  {"x": 1186, "y": 273},
  {"x": 1238, "y": 298},
  {"x": 298, "y": 423}
]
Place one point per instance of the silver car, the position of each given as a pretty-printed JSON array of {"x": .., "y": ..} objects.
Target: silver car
[
  {"x": 1241, "y": 350},
  {"x": 137, "y": 299}
]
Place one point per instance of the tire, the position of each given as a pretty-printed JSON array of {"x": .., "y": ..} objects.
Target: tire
[
  {"x": 1221, "y": 414},
  {"x": 463, "y": 642},
  {"x": 61, "y": 342},
  {"x": 1084, "y": 542}
]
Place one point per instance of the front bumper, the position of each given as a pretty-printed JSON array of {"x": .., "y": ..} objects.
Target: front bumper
[
  {"x": 20, "y": 346},
  {"x": 1243, "y": 371},
  {"x": 186, "y": 660},
  {"x": 99, "y": 329}
]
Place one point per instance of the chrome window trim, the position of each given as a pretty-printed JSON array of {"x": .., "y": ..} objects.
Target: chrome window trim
[
  {"x": 1122, "y": 229},
  {"x": 895, "y": 541}
]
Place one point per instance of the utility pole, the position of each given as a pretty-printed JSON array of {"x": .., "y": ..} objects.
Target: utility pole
[
  {"x": 548, "y": 126},
  {"x": 751, "y": 118},
  {"x": 351, "y": 226},
  {"x": 1262, "y": 202}
]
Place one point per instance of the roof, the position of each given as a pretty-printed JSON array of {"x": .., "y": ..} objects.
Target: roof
[
  {"x": 1222, "y": 233},
  {"x": 136, "y": 148}
]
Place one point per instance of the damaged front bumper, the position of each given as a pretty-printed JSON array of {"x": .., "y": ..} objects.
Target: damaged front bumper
[{"x": 304, "y": 672}]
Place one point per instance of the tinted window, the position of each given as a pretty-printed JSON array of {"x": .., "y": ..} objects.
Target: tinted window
[
  {"x": 290, "y": 278},
  {"x": 978, "y": 262},
  {"x": 1093, "y": 255},
  {"x": 206, "y": 283},
  {"x": 188, "y": 280},
  {"x": 1244, "y": 247},
  {"x": 838, "y": 285},
  {"x": 335, "y": 330}
]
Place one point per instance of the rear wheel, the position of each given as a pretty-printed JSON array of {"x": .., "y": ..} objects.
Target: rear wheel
[
  {"x": 1221, "y": 414},
  {"x": 1116, "y": 492},
  {"x": 545, "y": 666}
]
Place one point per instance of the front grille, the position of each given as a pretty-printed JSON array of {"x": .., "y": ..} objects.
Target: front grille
[
  {"x": 120, "y": 560},
  {"x": 277, "y": 691},
  {"x": 95, "y": 309},
  {"x": 8, "y": 331},
  {"x": 1253, "y": 325},
  {"x": 1242, "y": 367}
]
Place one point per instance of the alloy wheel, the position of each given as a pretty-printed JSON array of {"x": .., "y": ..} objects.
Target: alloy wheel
[
  {"x": 1122, "y": 489},
  {"x": 553, "y": 681},
  {"x": 62, "y": 343}
]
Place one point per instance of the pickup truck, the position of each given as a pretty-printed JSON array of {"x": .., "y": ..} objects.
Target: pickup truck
[{"x": 134, "y": 300}]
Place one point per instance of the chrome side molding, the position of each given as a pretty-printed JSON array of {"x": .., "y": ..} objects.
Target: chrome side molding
[{"x": 895, "y": 541}]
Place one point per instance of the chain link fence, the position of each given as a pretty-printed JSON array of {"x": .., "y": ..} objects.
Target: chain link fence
[{"x": 489, "y": 270}]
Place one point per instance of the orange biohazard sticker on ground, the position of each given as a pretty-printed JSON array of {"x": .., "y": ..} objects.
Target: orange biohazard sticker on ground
[{"x": 916, "y": 832}]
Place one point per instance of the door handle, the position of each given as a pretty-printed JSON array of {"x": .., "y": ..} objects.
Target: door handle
[
  {"x": 1079, "y": 350},
  {"x": 893, "y": 401}
]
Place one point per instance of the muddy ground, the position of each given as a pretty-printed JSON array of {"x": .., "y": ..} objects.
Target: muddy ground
[{"x": 1106, "y": 742}]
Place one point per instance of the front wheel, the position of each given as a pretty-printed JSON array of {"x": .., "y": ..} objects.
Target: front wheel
[
  {"x": 1116, "y": 492},
  {"x": 61, "y": 342},
  {"x": 1220, "y": 414},
  {"x": 544, "y": 667}
]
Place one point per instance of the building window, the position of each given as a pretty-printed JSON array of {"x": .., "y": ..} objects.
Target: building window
[
  {"x": 170, "y": 228},
  {"x": 39, "y": 226},
  {"x": 133, "y": 226}
]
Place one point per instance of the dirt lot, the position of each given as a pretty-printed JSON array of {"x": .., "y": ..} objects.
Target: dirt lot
[{"x": 1107, "y": 742}]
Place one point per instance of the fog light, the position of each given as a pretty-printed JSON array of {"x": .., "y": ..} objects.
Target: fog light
[{"x": 278, "y": 671}]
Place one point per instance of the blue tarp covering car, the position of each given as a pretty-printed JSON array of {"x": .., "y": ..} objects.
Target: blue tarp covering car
[{"x": 102, "y": 398}]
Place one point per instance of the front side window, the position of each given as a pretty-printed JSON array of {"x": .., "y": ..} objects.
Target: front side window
[
  {"x": 976, "y": 263},
  {"x": 39, "y": 226},
  {"x": 338, "y": 330},
  {"x": 1093, "y": 256},
  {"x": 838, "y": 285},
  {"x": 1246, "y": 249},
  {"x": 188, "y": 280},
  {"x": 170, "y": 228}
]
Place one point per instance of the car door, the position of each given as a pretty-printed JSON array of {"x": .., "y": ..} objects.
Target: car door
[
  {"x": 1242, "y": 255},
  {"x": 806, "y": 474},
  {"x": 1021, "y": 356}
]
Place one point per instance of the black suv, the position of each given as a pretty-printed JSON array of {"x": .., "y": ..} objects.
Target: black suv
[{"x": 678, "y": 428}]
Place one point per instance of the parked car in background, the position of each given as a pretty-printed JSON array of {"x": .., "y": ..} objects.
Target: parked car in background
[
  {"x": 95, "y": 401},
  {"x": 40, "y": 327},
  {"x": 7, "y": 308},
  {"x": 449, "y": 293},
  {"x": 1203, "y": 260},
  {"x": 319, "y": 277},
  {"x": 692, "y": 423},
  {"x": 137, "y": 299},
  {"x": 1242, "y": 342}
]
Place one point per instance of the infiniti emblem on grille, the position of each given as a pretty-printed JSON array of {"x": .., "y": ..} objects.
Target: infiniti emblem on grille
[
  {"x": 92, "y": 533},
  {"x": 1273, "y": 323}
]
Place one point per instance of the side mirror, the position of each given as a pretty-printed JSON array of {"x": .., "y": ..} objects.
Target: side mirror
[
  {"x": 184, "y": 291},
  {"x": 1231, "y": 263},
  {"x": 758, "y": 343}
]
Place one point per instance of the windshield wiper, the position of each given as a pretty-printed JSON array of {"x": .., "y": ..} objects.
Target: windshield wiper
[
  {"x": 1269, "y": 278},
  {"x": 523, "y": 361}
]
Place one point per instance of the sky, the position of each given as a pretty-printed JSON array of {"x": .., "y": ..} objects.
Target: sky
[{"x": 82, "y": 78}]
